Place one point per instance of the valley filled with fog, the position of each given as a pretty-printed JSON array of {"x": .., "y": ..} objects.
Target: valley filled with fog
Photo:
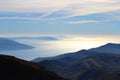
[{"x": 49, "y": 48}]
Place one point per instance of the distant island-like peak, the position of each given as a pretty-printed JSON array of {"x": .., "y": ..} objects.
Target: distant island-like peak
[{"x": 9, "y": 45}]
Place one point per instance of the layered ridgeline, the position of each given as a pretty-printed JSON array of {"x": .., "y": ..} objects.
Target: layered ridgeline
[
  {"x": 108, "y": 48},
  {"x": 12, "y": 68},
  {"x": 86, "y": 64},
  {"x": 7, "y": 45}
]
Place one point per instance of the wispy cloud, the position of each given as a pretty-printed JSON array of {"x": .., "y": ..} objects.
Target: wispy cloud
[
  {"x": 71, "y": 8},
  {"x": 19, "y": 18},
  {"x": 83, "y": 21}
]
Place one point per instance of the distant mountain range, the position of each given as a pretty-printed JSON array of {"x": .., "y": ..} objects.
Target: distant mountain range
[
  {"x": 12, "y": 68},
  {"x": 101, "y": 63},
  {"x": 8, "y": 45},
  {"x": 107, "y": 48},
  {"x": 45, "y": 38}
]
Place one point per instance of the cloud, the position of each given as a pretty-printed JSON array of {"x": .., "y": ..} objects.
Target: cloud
[
  {"x": 19, "y": 18},
  {"x": 71, "y": 8},
  {"x": 82, "y": 22}
]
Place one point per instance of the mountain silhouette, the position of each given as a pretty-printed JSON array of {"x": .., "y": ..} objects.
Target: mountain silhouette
[
  {"x": 107, "y": 48},
  {"x": 12, "y": 68},
  {"x": 85, "y": 64},
  {"x": 95, "y": 66}
]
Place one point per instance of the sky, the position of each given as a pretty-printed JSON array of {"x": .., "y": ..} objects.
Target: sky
[
  {"x": 61, "y": 18},
  {"x": 76, "y": 24}
]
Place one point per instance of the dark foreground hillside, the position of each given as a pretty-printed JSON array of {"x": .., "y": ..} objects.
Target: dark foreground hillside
[{"x": 12, "y": 68}]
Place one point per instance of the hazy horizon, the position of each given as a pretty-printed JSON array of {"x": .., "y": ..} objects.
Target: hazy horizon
[
  {"x": 49, "y": 48},
  {"x": 79, "y": 24}
]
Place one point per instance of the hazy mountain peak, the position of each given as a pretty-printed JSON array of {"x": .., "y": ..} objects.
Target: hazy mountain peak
[
  {"x": 48, "y": 38},
  {"x": 44, "y": 38},
  {"x": 7, "y": 44}
]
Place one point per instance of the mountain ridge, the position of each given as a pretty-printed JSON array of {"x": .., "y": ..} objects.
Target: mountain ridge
[
  {"x": 83, "y": 51},
  {"x": 107, "y": 48},
  {"x": 96, "y": 63},
  {"x": 12, "y": 68},
  {"x": 79, "y": 65}
]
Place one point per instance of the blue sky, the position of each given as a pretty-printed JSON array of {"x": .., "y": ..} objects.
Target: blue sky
[
  {"x": 77, "y": 24},
  {"x": 59, "y": 17}
]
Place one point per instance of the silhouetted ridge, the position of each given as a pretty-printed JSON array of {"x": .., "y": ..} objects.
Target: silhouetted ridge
[
  {"x": 108, "y": 48},
  {"x": 12, "y": 68},
  {"x": 79, "y": 54},
  {"x": 95, "y": 66},
  {"x": 101, "y": 63}
]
